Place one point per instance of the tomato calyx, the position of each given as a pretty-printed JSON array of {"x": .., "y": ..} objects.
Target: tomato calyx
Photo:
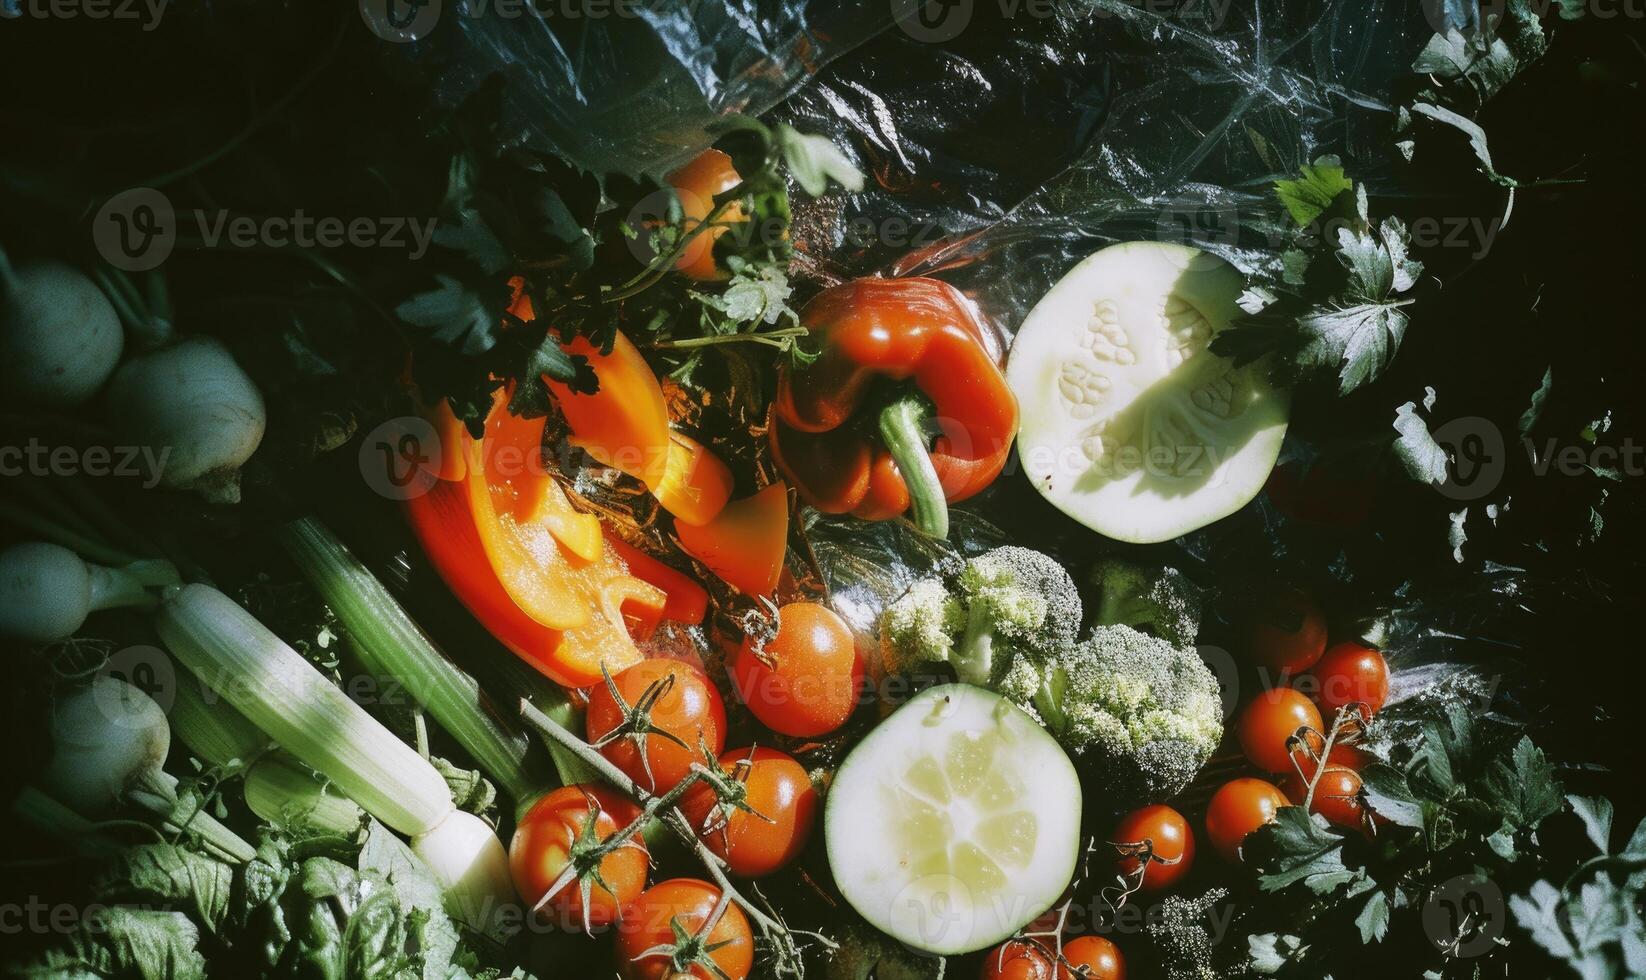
[
  {"x": 637, "y": 725},
  {"x": 731, "y": 791},
  {"x": 1130, "y": 883},
  {"x": 691, "y": 949},
  {"x": 584, "y": 857}
]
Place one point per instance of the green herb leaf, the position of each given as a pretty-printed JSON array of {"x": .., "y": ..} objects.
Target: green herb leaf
[
  {"x": 1295, "y": 847},
  {"x": 1415, "y": 447},
  {"x": 1524, "y": 788},
  {"x": 1534, "y": 411},
  {"x": 1373, "y": 919},
  {"x": 1271, "y": 952},
  {"x": 167, "y": 875},
  {"x": 458, "y": 314},
  {"x": 1309, "y": 196},
  {"x": 1596, "y": 814},
  {"x": 119, "y": 941},
  {"x": 1390, "y": 796},
  {"x": 815, "y": 160}
]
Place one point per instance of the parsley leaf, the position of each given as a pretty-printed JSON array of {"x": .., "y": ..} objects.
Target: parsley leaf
[
  {"x": 457, "y": 313},
  {"x": 1296, "y": 847},
  {"x": 1523, "y": 788},
  {"x": 1309, "y": 196}
]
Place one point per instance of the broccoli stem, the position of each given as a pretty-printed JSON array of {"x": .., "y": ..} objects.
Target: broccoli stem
[
  {"x": 974, "y": 660},
  {"x": 903, "y": 425}
]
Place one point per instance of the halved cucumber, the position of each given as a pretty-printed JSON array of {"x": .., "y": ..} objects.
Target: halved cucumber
[
  {"x": 955, "y": 822},
  {"x": 1130, "y": 425}
]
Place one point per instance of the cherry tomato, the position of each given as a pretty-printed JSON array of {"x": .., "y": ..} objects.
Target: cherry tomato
[
  {"x": 1169, "y": 840},
  {"x": 685, "y": 705},
  {"x": 806, "y": 681},
  {"x": 784, "y": 803},
  {"x": 1287, "y": 633},
  {"x": 696, "y": 184},
  {"x": 1019, "y": 959},
  {"x": 542, "y": 846},
  {"x": 1239, "y": 807},
  {"x": 1099, "y": 956},
  {"x": 648, "y": 923},
  {"x": 1269, "y": 720},
  {"x": 1351, "y": 672},
  {"x": 1337, "y": 796},
  {"x": 1031, "y": 959}
]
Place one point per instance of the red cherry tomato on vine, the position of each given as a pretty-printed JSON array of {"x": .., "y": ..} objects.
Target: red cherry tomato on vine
[
  {"x": 806, "y": 681},
  {"x": 1032, "y": 959},
  {"x": 646, "y": 944},
  {"x": 1099, "y": 956},
  {"x": 1337, "y": 795},
  {"x": 784, "y": 803},
  {"x": 1287, "y": 633},
  {"x": 1239, "y": 807},
  {"x": 1019, "y": 959},
  {"x": 1170, "y": 842},
  {"x": 1269, "y": 720},
  {"x": 542, "y": 847},
  {"x": 1351, "y": 672},
  {"x": 683, "y": 704}
]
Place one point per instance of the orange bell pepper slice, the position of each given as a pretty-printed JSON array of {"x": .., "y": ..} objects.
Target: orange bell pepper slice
[
  {"x": 687, "y": 601},
  {"x": 445, "y": 528},
  {"x": 521, "y": 488},
  {"x": 550, "y": 559},
  {"x": 625, "y": 424},
  {"x": 696, "y": 484},
  {"x": 695, "y": 185},
  {"x": 746, "y": 542}
]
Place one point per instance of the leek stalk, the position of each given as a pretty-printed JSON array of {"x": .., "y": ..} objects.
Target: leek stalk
[{"x": 391, "y": 644}]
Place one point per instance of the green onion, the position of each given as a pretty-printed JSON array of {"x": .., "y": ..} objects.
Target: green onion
[
  {"x": 284, "y": 695},
  {"x": 285, "y": 793},
  {"x": 218, "y": 735},
  {"x": 390, "y": 644}
]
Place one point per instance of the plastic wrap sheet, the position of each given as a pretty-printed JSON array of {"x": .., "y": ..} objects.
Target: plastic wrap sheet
[
  {"x": 1027, "y": 143},
  {"x": 633, "y": 90}
]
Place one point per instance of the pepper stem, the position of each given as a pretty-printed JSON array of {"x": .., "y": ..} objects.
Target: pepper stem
[{"x": 903, "y": 427}]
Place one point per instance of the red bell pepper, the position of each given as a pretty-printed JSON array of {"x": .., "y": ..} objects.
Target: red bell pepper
[{"x": 907, "y": 359}]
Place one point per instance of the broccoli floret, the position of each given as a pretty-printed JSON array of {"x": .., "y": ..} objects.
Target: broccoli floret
[
  {"x": 1142, "y": 713},
  {"x": 1161, "y": 601},
  {"x": 1004, "y": 604}
]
